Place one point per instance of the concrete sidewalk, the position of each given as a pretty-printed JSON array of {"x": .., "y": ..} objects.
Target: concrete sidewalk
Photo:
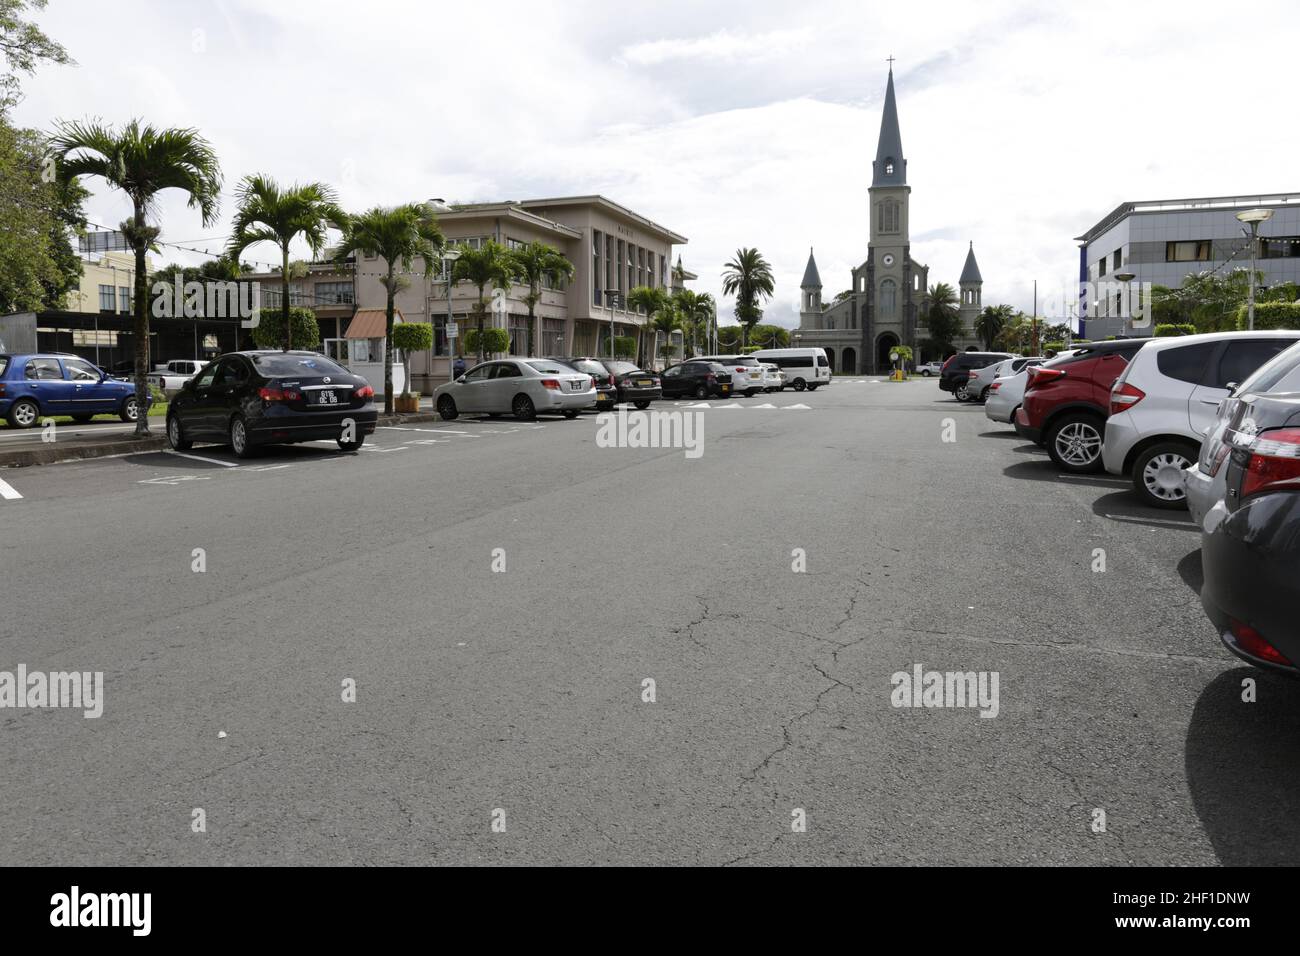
[{"x": 20, "y": 448}]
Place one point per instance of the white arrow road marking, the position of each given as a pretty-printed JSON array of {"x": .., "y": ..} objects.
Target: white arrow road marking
[
  {"x": 210, "y": 461},
  {"x": 698, "y": 405},
  {"x": 761, "y": 406},
  {"x": 795, "y": 406},
  {"x": 7, "y": 491}
]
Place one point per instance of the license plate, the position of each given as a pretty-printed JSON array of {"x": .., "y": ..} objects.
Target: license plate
[
  {"x": 326, "y": 397},
  {"x": 643, "y": 383},
  {"x": 576, "y": 387}
]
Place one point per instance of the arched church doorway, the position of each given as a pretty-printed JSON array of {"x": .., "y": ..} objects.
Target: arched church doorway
[
  {"x": 849, "y": 362},
  {"x": 884, "y": 344},
  {"x": 830, "y": 357}
]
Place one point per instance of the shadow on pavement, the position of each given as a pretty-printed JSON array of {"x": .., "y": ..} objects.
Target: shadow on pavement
[
  {"x": 1046, "y": 470},
  {"x": 1243, "y": 768},
  {"x": 1006, "y": 434},
  {"x": 1122, "y": 506},
  {"x": 1190, "y": 570}
]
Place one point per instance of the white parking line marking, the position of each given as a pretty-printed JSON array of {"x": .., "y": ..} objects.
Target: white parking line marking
[
  {"x": 173, "y": 479},
  {"x": 1169, "y": 521},
  {"x": 210, "y": 461},
  {"x": 1114, "y": 481},
  {"x": 272, "y": 467},
  {"x": 7, "y": 491}
]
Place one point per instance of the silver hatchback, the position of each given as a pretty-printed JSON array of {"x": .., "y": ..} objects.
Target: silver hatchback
[{"x": 524, "y": 388}]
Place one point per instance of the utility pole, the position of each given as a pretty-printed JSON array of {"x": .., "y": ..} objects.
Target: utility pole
[{"x": 1037, "y": 350}]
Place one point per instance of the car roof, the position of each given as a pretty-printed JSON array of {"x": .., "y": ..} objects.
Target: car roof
[{"x": 1175, "y": 341}]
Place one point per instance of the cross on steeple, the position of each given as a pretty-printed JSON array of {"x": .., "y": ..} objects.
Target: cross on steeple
[{"x": 891, "y": 63}]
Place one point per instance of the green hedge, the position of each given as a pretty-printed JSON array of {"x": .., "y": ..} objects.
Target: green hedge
[
  {"x": 269, "y": 333},
  {"x": 1165, "y": 329},
  {"x": 494, "y": 340},
  {"x": 1272, "y": 315}
]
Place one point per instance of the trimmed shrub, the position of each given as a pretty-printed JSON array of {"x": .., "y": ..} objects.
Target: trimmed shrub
[
  {"x": 1166, "y": 329},
  {"x": 269, "y": 333},
  {"x": 625, "y": 346},
  {"x": 494, "y": 340},
  {"x": 1272, "y": 315}
]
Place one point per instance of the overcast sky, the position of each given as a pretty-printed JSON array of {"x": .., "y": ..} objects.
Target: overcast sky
[{"x": 733, "y": 124}]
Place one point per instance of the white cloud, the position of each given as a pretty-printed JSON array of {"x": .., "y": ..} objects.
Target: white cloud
[{"x": 1022, "y": 124}]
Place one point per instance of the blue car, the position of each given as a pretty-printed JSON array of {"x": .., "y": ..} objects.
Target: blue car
[{"x": 33, "y": 386}]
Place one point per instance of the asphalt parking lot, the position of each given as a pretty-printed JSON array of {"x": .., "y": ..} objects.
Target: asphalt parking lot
[{"x": 500, "y": 592}]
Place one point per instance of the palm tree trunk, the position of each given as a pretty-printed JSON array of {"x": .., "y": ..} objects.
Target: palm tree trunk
[
  {"x": 388, "y": 344},
  {"x": 284, "y": 300},
  {"x": 481, "y": 311},
  {"x": 141, "y": 323},
  {"x": 532, "y": 319}
]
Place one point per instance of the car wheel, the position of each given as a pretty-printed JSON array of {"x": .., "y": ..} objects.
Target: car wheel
[
  {"x": 925, "y": 373},
  {"x": 570, "y": 413},
  {"x": 82, "y": 419},
  {"x": 701, "y": 391},
  {"x": 1074, "y": 442},
  {"x": 239, "y": 443},
  {"x": 24, "y": 413},
  {"x": 1158, "y": 474},
  {"x": 130, "y": 410},
  {"x": 984, "y": 395},
  {"x": 752, "y": 392},
  {"x": 962, "y": 393},
  {"x": 447, "y": 408},
  {"x": 523, "y": 408},
  {"x": 800, "y": 385},
  {"x": 643, "y": 404},
  {"x": 353, "y": 445},
  {"x": 813, "y": 388},
  {"x": 176, "y": 437}
]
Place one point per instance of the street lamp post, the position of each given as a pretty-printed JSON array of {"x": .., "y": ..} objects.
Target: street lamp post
[
  {"x": 1127, "y": 315},
  {"x": 449, "y": 257},
  {"x": 613, "y": 298},
  {"x": 1253, "y": 217}
]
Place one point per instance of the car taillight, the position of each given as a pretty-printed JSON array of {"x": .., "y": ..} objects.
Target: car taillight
[
  {"x": 1123, "y": 395},
  {"x": 2, "y": 388},
  {"x": 741, "y": 369},
  {"x": 1274, "y": 459},
  {"x": 551, "y": 383},
  {"x": 972, "y": 374},
  {"x": 1044, "y": 376},
  {"x": 278, "y": 394},
  {"x": 364, "y": 392},
  {"x": 995, "y": 386},
  {"x": 1253, "y": 643}
]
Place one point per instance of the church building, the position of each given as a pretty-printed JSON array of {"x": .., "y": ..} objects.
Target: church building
[{"x": 886, "y": 302}]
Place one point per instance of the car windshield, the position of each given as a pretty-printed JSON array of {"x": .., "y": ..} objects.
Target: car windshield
[
  {"x": 280, "y": 364},
  {"x": 550, "y": 368}
]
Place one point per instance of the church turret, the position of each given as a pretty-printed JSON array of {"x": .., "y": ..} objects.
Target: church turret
[
  {"x": 890, "y": 168},
  {"x": 971, "y": 284},
  {"x": 811, "y": 287}
]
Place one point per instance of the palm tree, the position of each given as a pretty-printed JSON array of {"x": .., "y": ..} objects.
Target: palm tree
[
  {"x": 653, "y": 301},
  {"x": 696, "y": 310},
  {"x": 943, "y": 318},
  {"x": 532, "y": 264},
  {"x": 142, "y": 161},
  {"x": 991, "y": 322},
  {"x": 748, "y": 277},
  {"x": 488, "y": 265},
  {"x": 399, "y": 235},
  {"x": 268, "y": 213}
]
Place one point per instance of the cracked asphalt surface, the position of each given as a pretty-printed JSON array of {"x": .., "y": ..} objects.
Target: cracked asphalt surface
[{"x": 522, "y": 690}]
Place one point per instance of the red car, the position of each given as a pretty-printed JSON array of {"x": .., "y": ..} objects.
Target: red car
[{"x": 1067, "y": 401}]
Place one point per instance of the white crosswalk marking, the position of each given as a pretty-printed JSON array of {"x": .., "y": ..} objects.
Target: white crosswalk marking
[{"x": 7, "y": 491}]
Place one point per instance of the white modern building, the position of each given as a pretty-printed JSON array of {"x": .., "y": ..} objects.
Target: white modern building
[{"x": 1161, "y": 242}]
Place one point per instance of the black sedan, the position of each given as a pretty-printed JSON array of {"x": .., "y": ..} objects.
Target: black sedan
[
  {"x": 698, "y": 379},
  {"x": 634, "y": 383},
  {"x": 1250, "y": 548},
  {"x": 606, "y": 391},
  {"x": 248, "y": 399}
]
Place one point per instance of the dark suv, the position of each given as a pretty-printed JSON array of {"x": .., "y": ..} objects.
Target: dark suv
[
  {"x": 606, "y": 389},
  {"x": 696, "y": 378},
  {"x": 955, "y": 373},
  {"x": 1067, "y": 401}
]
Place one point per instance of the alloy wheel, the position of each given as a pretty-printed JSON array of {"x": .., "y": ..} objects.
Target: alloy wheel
[{"x": 1078, "y": 443}]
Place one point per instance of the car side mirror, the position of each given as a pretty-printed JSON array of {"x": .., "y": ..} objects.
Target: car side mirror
[
  {"x": 461, "y": 380},
  {"x": 1232, "y": 389}
]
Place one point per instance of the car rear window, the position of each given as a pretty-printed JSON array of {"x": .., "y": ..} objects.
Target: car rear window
[
  {"x": 4, "y": 363},
  {"x": 1276, "y": 375},
  {"x": 620, "y": 368},
  {"x": 282, "y": 364},
  {"x": 550, "y": 368},
  {"x": 590, "y": 367},
  {"x": 1185, "y": 363},
  {"x": 1243, "y": 356}
]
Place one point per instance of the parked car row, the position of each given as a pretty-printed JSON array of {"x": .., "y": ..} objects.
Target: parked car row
[{"x": 1206, "y": 422}]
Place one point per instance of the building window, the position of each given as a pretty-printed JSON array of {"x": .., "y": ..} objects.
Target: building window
[
  {"x": 888, "y": 297},
  {"x": 596, "y": 242},
  {"x": 107, "y": 299},
  {"x": 1197, "y": 250},
  {"x": 887, "y": 216},
  {"x": 1117, "y": 259},
  {"x": 552, "y": 342},
  {"x": 334, "y": 293},
  {"x": 1285, "y": 248},
  {"x": 515, "y": 243},
  {"x": 663, "y": 270},
  {"x": 124, "y": 298},
  {"x": 518, "y": 334}
]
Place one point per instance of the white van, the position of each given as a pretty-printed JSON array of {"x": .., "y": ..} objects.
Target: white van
[{"x": 804, "y": 368}]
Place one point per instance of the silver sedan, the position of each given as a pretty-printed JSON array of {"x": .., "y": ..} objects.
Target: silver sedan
[{"x": 524, "y": 388}]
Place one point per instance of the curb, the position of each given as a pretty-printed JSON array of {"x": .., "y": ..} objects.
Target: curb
[{"x": 52, "y": 454}]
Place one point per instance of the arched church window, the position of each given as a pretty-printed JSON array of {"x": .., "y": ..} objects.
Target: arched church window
[
  {"x": 888, "y": 297},
  {"x": 889, "y": 166},
  {"x": 887, "y": 216}
]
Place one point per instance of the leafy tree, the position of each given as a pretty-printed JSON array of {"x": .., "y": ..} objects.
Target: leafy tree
[
  {"x": 989, "y": 324},
  {"x": 268, "y": 213},
  {"x": 411, "y": 337},
  {"x": 943, "y": 317},
  {"x": 142, "y": 161},
  {"x": 488, "y": 265},
  {"x": 269, "y": 332},
  {"x": 655, "y": 303},
  {"x": 532, "y": 264},
  {"x": 748, "y": 276},
  {"x": 486, "y": 340},
  {"x": 23, "y": 46},
  {"x": 38, "y": 265},
  {"x": 770, "y": 337},
  {"x": 625, "y": 347},
  {"x": 399, "y": 235}
]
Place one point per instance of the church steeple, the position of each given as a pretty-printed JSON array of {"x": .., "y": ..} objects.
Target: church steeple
[
  {"x": 811, "y": 286},
  {"x": 890, "y": 168},
  {"x": 811, "y": 280}
]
